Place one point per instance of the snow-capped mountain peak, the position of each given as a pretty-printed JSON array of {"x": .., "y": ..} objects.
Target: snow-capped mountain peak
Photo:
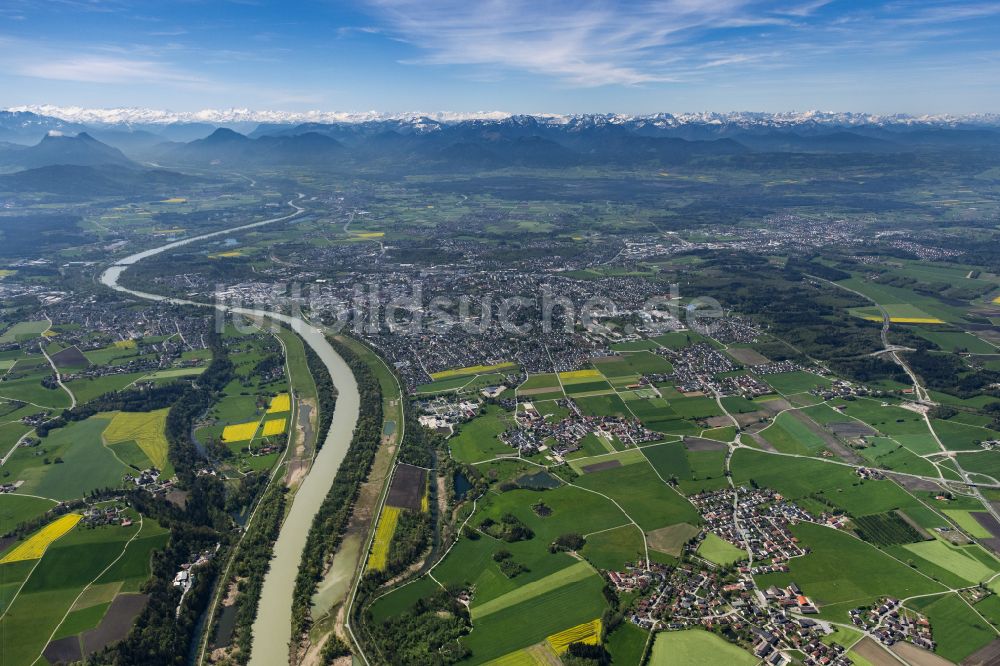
[{"x": 429, "y": 121}]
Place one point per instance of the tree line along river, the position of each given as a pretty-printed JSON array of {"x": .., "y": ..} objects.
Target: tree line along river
[{"x": 272, "y": 627}]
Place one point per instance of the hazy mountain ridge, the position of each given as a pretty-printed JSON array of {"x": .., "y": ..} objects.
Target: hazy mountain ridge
[
  {"x": 142, "y": 116},
  {"x": 58, "y": 149},
  {"x": 429, "y": 145}
]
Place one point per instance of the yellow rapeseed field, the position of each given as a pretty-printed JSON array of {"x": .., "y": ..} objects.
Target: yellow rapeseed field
[
  {"x": 471, "y": 370},
  {"x": 383, "y": 536},
  {"x": 589, "y": 373},
  {"x": 239, "y": 432},
  {"x": 906, "y": 320},
  {"x": 521, "y": 657},
  {"x": 274, "y": 427},
  {"x": 588, "y": 633},
  {"x": 174, "y": 200},
  {"x": 125, "y": 344},
  {"x": 916, "y": 320},
  {"x": 279, "y": 403},
  {"x": 146, "y": 429},
  {"x": 34, "y": 547},
  {"x": 996, "y": 301},
  {"x": 369, "y": 234}
]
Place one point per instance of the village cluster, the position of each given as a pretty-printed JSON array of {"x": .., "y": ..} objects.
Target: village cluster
[
  {"x": 890, "y": 623},
  {"x": 672, "y": 598},
  {"x": 535, "y": 433},
  {"x": 755, "y": 520}
]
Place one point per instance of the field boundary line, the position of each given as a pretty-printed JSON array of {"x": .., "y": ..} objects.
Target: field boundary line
[{"x": 86, "y": 587}]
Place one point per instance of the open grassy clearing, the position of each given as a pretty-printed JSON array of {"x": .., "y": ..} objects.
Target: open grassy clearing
[
  {"x": 608, "y": 404},
  {"x": 888, "y": 454},
  {"x": 788, "y": 434},
  {"x": 795, "y": 382},
  {"x": 626, "y": 643},
  {"x": 903, "y": 303},
  {"x": 681, "y": 339},
  {"x": 906, "y": 427},
  {"x": 964, "y": 519},
  {"x": 954, "y": 559},
  {"x": 472, "y": 370},
  {"x": 540, "y": 381},
  {"x": 958, "y": 630},
  {"x": 959, "y": 436},
  {"x": 565, "y": 576},
  {"x": 24, "y": 330},
  {"x": 16, "y": 509},
  {"x": 800, "y": 478},
  {"x": 613, "y": 549},
  {"x": 477, "y": 440},
  {"x": 719, "y": 551},
  {"x": 641, "y": 493},
  {"x": 987, "y": 462},
  {"x": 671, "y": 539},
  {"x": 697, "y": 647},
  {"x": 470, "y": 562},
  {"x": 957, "y": 341},
  {"x": 84, "y": 463},
  {"x": 627, "y": 457},
  {"x": 694, "y": 471},
  {"x": 843, "y": 572},
  {"x": 28, "y": 387}
]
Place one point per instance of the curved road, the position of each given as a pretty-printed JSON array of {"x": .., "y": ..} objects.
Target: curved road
[{"x": 272, "y": 628}]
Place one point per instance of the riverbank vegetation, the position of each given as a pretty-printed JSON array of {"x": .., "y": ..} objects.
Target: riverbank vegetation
[{"x": 328, "y": 525}]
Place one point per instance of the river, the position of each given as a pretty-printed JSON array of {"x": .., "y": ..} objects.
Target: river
[{"x": 272, "y": 628}]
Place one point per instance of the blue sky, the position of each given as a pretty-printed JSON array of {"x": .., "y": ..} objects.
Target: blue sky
[{"x": 515, "y": 55}]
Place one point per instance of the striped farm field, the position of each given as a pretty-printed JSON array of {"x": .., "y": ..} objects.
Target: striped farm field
[
  {"x": 383, "y": 537},
  {"x": 588, "y": 633},
  {"x": 239, "y": 432},
  {"x": 35, "y": 546},
  {"x": 274, "y": 427},
  {"x": 561, "y": 578},
  {"x": 471, "y": 370},
  {"x": 279, "y": 403}
]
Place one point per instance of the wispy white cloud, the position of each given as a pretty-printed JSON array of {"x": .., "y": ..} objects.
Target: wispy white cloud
[
  {"x": 587, "y": 43},
  {"x": 102, "y": 69},
  {"x": 947, "y": 12}
]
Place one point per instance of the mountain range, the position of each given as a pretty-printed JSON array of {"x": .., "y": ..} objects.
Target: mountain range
[
  {"x": 113, "y": 151},
  {"x": 135, "y": 116}
]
